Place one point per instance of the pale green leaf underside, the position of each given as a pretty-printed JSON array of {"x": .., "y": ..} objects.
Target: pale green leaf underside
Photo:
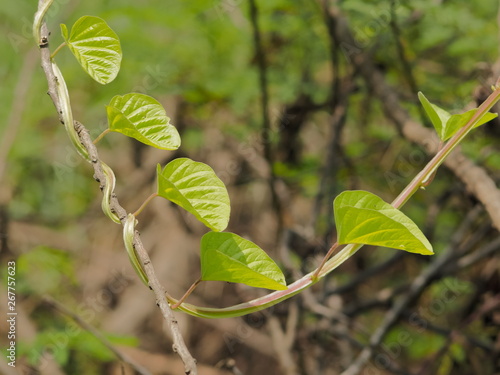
[
  {"x": 229, "y": 257},
  {"x": 195, "y": 187},
  {"x": 445, "y": 123},
  {"x": 143, "y": 118},
  {"x": 96, "y": 47},
  {"x": 363, "y": 218}
]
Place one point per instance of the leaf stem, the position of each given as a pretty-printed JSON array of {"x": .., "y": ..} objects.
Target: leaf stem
[
  {"x": 100, "y": 136},
  {"x": 57, "y": 50},
  {"x": 327, "y": 256},
  {"x": 187, "y": 294},
  {"x": 144, "y": 204}
]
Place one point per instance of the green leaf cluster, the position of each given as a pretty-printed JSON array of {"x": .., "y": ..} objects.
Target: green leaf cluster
[
  {"x": 445, "y": 123},
  {"x": 225, "y": 256},
  {"x": 194, "y": 186}
]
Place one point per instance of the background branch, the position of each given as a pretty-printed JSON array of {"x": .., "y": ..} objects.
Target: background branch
[{"x": 98, "y": 335}]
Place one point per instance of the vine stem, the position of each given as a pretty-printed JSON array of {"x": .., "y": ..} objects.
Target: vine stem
[
  {"x": 145, "y": 203},
  {"x": 328, "y": 265}
]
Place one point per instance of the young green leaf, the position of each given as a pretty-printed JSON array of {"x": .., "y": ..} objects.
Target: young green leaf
[
  {"x": 447, "y": 125},
  {"x": 196, "y": 188},
  {"x": 456, "y": 122},
  {"x": 228, "y": 257},
  {"x": 96, "y": 47},
  {"x": 363, "y": 218},
  {"x": 438, "y": 116},
  {"x": 143, "y": 118}
]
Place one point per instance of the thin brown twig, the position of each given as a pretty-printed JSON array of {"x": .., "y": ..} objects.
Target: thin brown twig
[
  {"x": 362, "y": 277},
  {"x": 428, "y": 326},
  {"x": 339, "y": 100},
  {"x": 283, "y": 339},
  {"x": 405, "y": 63},
  {"x": 98, "y": 335},
  {"x": 334, "y": 157},
  {"x": 476, "y": 256},
  {"x": 266, "y": 122}
]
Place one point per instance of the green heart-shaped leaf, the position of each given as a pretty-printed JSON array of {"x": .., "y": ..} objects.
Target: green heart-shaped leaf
[
  {"x": 143, "y": 118},
  {"x": 363, "y": 218},
  {"x": 228, "y": 257},
  {"x": 196, "y": 188},
  {"x": 96, "y": 47}
]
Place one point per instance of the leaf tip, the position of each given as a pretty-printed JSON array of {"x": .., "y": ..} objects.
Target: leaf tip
[{"x": 64, "y": 31}]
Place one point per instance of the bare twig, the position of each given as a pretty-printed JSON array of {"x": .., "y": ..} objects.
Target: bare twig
[
  {"x": 179, "y": 345},
  {"x": 283, "y": 340},
  {"x": 396, "y": 32},
  {"x": 475, "y": 257},
  {"x": 98, "y": 335},
  {"x": 367, "y": 274},
  {"x": 266, "y": 122},
  {"x": 428, "y": 326},
  {"x": 335, "y": 156},
  {"x": 416, "y": 288},
  {"x": 339, "y": 99}
]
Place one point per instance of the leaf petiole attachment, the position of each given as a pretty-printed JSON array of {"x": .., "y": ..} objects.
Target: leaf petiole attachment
[
  {"x": 325, "y": 259},
  {"x": 101, "y": 136},
  {"x": 187, "y": 294},
  {"x": 144, "y": 204},
  {"x": 63, "y": 44}
]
